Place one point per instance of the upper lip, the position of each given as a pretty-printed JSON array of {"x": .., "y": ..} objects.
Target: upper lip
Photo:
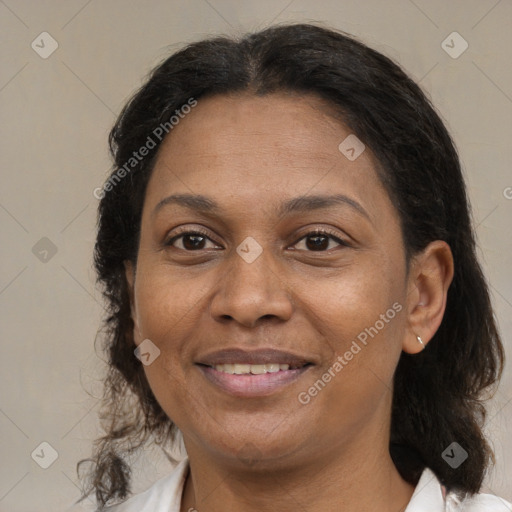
[{"x": 260, "y": 356}]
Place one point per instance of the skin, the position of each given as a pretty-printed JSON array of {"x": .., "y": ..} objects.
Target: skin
[{"x": 250, "y": 154}]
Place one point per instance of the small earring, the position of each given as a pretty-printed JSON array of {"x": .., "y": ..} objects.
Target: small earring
[{"x": 421, "y": 341}]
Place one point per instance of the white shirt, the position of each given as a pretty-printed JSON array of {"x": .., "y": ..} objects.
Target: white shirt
[{"x": 165, "y": 496}]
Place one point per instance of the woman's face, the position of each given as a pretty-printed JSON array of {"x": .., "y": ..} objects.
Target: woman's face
[{"x": 258, "y": 178}]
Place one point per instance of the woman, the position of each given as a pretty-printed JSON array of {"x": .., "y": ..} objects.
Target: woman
[{"x": 286, "y": 250}]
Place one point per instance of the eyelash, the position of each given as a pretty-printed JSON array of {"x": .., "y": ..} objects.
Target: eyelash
[{"x": 315, "y": 232}]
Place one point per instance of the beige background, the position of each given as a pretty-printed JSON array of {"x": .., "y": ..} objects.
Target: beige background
[{"x": 56, "y": 116}]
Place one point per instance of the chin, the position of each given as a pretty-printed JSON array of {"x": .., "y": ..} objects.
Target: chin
[{"x": 263, "y": 451}]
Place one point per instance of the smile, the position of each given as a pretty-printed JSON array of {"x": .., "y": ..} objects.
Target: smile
[
  {"x": 252, "y": 381},
  {"x": 253, "y": 373},
  {"x": 252, "y": 369}
]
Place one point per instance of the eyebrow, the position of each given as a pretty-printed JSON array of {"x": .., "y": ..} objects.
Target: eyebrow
[{"x": 300, "y": 204}]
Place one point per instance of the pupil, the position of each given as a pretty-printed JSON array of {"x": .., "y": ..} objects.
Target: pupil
[
  {"x": 193, "y": 245},
  {"x": 322, "y": 242}
]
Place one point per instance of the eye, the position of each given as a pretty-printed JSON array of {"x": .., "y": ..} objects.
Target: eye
[
  {"x": 315, "y": 241},
  {"x": 319, "y": 240},
  {"x": 190, "y": 240}
]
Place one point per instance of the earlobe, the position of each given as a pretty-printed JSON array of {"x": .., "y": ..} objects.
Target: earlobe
[{"x": 430, "y": 276}]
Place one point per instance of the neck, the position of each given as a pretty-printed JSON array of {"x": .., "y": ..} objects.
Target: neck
[{"x": 353, "y": 478}]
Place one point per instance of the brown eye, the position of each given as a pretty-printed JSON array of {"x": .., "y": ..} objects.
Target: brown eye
[
  {"x": 319, "y": 241},
  {"x": 190, "y": 241}
]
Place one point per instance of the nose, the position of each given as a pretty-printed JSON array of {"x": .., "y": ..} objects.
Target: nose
[{"x": 250, "y": 293}]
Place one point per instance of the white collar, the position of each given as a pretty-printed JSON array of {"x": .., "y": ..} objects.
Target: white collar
[{"x": 428, "y": 494}]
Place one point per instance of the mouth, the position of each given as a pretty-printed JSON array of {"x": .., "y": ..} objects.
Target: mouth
[
  {"x": 252, "y": 373},
  {"x": 255, "y": 369}
]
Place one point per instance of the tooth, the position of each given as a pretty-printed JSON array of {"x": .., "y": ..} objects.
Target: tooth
[
  {"x": 240, "y": 369},
  {"x": 258, "y": 369},
  {"x": 255, "y": 369}
]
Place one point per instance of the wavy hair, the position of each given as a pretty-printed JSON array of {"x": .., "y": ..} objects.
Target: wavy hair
[{"x": 438, "y": 394}]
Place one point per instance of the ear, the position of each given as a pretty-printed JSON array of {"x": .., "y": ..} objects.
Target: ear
[
  {"x": 130, "y": 279},
  {"x": 430, "y": 276}
]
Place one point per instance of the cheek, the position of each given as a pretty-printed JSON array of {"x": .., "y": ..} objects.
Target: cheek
[
  {"x": 165, "y": 303},
  {"x": 360, "y": 315},
  {"x": 165, "y": 316},
  {"x": 171, "y": 309},
  {"x": 164, "y": 310},
  {"x": 354, "y": 300}
]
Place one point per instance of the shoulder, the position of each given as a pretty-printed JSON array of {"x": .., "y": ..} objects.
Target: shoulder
[{"x": 163, "y": 496}]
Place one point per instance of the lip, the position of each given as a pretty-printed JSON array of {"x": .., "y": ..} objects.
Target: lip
[
  {"x": 260, "y": 356},
  {"x": 249, "y": 385}
]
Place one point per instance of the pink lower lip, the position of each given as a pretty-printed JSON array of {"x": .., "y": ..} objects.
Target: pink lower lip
[{"x": 251, "y": 385}]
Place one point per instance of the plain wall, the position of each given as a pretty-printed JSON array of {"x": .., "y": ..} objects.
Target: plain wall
[{"x": 56, "y": 116}]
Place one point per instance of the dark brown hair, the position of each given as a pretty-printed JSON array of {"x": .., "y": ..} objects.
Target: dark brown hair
[{"x": 437, "y": 393}]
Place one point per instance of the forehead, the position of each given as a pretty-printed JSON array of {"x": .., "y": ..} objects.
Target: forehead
[
  {"x": 260, "y": 150},
  {"x": 294, "y": 126}
]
